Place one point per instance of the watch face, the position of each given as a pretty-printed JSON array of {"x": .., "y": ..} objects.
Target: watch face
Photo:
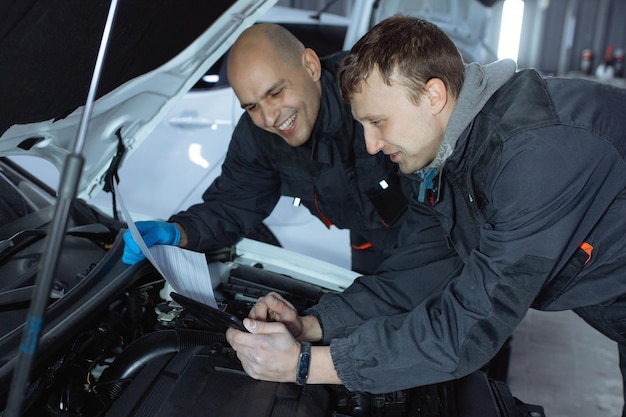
[
  {"x": 303, "y": 369},
  {"x": 304, "y": 361}
]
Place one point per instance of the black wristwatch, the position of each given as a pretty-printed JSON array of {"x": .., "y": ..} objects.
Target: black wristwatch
[{"x": 304, "y": 360}]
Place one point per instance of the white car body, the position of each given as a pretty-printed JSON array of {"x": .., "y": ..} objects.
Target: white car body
[
  {"x": 183, "y": 155},
  {"x": 171, "y": 163}
]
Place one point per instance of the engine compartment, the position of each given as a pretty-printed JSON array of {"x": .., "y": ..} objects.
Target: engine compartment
[
  {"x": 115, "y": 344},
  {"x": 148, "y": 356}
]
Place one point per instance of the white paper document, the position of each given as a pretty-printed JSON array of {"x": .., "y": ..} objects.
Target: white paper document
[{"x": 187, "y": 272}]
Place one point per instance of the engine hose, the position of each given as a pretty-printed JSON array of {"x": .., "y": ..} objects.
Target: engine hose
[{"x": 127, "y": 365}]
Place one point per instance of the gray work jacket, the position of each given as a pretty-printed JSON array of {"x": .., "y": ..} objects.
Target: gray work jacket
[{"x": 528, "y": 211}]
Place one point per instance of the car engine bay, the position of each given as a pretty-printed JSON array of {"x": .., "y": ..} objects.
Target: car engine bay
[{"x": 114, "y": 346}]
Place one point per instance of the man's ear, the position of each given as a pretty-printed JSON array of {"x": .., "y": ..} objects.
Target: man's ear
[
  {"x": 436, "y": 94},
  {"x": 312, "y": 63}
]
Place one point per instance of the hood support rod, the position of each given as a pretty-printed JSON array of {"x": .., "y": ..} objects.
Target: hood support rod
[{"x": 72, "y": 169}]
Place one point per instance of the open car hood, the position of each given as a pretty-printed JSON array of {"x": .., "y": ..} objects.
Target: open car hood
[{"x": 157, "y": 50}]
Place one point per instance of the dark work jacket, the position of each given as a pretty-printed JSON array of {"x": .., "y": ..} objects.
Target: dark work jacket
[
  {"x": 533, "y": 204},
  {"x": 332, "y": 174}
]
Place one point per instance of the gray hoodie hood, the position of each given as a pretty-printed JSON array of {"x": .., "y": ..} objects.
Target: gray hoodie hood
[{"x": 479, "y": 84}]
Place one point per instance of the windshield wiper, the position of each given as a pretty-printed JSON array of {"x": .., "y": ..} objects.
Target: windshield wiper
[{"x": 88, "y": 230}]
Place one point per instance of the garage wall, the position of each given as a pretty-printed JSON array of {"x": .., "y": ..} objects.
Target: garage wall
[
  {"x": 557, "y": 31},
  {"x": 554, "y": 32}
]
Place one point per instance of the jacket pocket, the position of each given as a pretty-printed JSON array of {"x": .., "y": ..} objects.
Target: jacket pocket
[
  {"x": 565, "y": 278},
  {"x": 390, "y": 203}
]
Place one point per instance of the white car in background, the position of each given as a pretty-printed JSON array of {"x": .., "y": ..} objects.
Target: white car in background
[
  {"x": 184, "y": 153},
  {"x": 181, "y": 156}
]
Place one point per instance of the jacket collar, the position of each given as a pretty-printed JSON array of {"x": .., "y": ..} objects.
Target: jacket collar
[{"x": 334, "y": 125}]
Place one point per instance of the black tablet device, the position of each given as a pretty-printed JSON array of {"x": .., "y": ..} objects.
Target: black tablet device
[{"x": 206, "y": 313}]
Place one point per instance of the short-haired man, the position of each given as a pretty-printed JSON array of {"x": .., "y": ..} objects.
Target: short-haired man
[{"x": 526, "y": 178}]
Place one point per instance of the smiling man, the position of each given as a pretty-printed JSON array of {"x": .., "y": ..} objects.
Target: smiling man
[
  {"x": 523, "y": 176},
  {"x": 277, "y": 82},
  {"x": 296, "y": 138}
]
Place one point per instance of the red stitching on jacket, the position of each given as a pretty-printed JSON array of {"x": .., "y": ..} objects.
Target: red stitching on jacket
[{"x": 327, "y": 222}]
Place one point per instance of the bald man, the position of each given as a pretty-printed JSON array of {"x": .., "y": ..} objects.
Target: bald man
[{"x": 296, "y": 138}]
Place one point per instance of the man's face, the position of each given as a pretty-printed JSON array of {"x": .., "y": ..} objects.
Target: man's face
[
  {"x": 410, "y": 134},
  {"x": 280, "y": 98}
]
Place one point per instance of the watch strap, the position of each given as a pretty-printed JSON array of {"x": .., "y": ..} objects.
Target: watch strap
[{"x": 304, "y": 362}]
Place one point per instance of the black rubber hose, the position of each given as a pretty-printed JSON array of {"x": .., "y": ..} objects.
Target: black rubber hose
[{"x": 127, "y": 365}]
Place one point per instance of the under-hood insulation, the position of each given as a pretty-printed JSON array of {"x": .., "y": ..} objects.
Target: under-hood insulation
[{"x": 48, "y": 49}]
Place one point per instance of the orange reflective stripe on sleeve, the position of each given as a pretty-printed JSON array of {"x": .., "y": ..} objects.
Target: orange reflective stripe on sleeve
[
  {"x": 363, "y": 246},
  {"x": 587, "y": 248}
]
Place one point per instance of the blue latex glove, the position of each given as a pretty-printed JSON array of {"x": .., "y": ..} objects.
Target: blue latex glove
[{"x": 153, "y": 233}]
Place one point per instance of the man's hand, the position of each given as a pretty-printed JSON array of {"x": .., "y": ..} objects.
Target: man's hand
[
  {"x": 153, "y": 233},
  {"x": 269, "y": 352},
  {"x": 273, "y": 307}
]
